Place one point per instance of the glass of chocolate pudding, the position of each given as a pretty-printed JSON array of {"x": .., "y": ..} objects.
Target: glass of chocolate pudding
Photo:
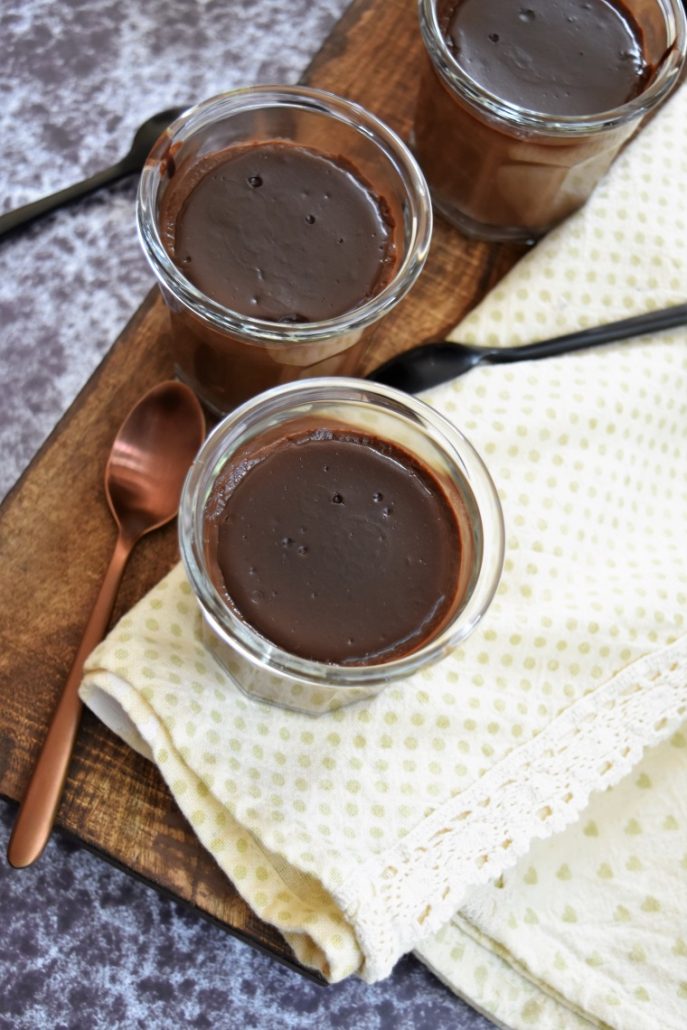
[
  {"x": 338, "y": 535},
  {"x": 282, "y": 223},
  {"x": 523, "y": 105}
]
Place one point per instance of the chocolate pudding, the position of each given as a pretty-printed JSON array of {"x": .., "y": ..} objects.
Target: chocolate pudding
[
  {"x": 501, "y": 76},
  {"x": 560, "y": 57},
  {"x": 337, "y": 546},
  {"x": 279, "y": 232},
  {"x": 283, "y": 224}
]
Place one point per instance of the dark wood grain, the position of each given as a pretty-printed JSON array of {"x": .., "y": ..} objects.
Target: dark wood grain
[{"x": 56, "y": 534}]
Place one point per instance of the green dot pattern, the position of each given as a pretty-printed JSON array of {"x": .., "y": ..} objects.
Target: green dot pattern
[
  {"x": 622, "y": 869},
  {"x": 587, "y": 927},
  {"x": 589, "y": 455}
]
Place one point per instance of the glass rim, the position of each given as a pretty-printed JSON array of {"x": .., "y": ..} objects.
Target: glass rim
[
  {"x": 565, "y": 126},
  {"x": 239, "y": 634},
  {"x": 321, "y": 102}
]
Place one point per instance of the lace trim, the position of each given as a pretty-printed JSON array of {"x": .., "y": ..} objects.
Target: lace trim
[{"x": 410, "y": 891}]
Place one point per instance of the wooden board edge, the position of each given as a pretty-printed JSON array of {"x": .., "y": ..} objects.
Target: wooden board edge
[
  {"x": 336, "y": 40},
  {"x": 292, "y": 964}
]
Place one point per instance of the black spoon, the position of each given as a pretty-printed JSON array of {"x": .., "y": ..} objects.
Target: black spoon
[
  {"x": 433, "y": 363},
  {"x": 143, "y": 140}
]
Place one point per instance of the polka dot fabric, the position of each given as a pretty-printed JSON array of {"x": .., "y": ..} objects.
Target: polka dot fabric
[
  {"x": 361, "y": 832},
  {"x": 592, "y": 921}
]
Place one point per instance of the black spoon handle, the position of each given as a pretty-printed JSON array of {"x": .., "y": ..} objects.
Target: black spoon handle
[
  {"x": 23, "y": 215},
  {"x": 638, "y": 325}
]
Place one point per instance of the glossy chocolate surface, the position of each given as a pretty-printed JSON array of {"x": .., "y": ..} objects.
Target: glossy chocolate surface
[
  {"x": 336, "y": 546},
  {"x": 279, "y": 232},
  {"x": 499, "y": 164},
  {"x": 559, "y": 57}
]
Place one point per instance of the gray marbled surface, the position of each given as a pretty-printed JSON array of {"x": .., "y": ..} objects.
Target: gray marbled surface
[
  {"x": 86, "y": 946},
  {"x": 76, "y": 79},
  {"x": 83, "y": 945}
]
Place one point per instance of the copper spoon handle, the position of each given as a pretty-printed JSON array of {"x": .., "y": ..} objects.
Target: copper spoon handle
[{"x": 42, "y": 798}]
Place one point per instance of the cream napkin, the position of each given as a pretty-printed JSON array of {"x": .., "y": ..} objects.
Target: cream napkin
[
  {"x": 590, "y": 927},
  {"x": 360, "y": 834}
]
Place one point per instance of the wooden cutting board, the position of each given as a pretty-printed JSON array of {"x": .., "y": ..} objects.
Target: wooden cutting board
[{"x": 57, "y": 535}]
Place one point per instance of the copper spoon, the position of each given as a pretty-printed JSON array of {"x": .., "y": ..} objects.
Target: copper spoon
[{"x": 144, "y": 475}]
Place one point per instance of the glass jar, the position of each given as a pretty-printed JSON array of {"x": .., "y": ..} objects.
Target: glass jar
[
  {"x": 226, "y": 356},
  {"x": 500, "y": 172},
  {"x": 262, "y": 669}
]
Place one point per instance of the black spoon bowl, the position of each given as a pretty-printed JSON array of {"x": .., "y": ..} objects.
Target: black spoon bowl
[
  {"x": 133, "y": 162},
  {"x": 433, "y": 363}
]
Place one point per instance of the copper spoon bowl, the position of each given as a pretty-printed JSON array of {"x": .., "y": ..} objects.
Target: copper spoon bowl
[{"x": 145, "y": 472}]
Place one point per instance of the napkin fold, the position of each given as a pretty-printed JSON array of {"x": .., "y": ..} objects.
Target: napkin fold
[
  {"x": 590, "y": 927},
  {"x": 403, "y": 822}
]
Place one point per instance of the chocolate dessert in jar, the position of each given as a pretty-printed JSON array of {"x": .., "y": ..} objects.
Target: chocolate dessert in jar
[
  {"x": 282, "y": 223},
  {"x": 523, "y": 106},
  {"x": 339, "y": 536}
]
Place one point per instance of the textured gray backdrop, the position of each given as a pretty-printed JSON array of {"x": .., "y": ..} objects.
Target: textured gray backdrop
[{"x": 83, "y": 945}]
